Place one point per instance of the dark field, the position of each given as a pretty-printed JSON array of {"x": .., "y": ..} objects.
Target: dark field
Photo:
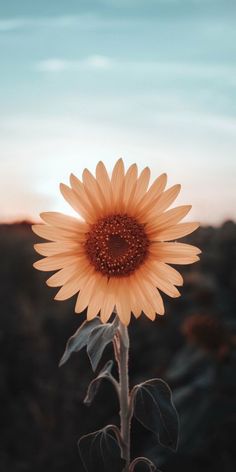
[{"x": 192, "y": 347}]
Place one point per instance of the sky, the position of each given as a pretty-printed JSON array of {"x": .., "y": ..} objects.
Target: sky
[{"x": 152, "y": 81}]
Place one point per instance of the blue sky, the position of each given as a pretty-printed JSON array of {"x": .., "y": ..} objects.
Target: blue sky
[{"x": 153, "y": 81}]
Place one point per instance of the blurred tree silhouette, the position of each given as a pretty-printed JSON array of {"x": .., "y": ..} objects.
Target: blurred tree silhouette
[{"x": 42, "y": 412}]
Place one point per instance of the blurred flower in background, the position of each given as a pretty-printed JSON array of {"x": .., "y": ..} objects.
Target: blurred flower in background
[{"x": 208, "y": 333}]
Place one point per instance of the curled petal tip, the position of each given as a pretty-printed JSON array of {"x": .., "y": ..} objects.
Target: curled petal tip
[
  {"x": 35, "y": 264},
  {"x": 36, "y": 247},
  {"x": 100, "y": 164},
  {"x": 85, "y": 172},
  {"x": 120, "y": 161}
]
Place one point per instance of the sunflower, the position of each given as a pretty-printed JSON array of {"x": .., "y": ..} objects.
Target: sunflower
[{"x": 117, "y": 253}]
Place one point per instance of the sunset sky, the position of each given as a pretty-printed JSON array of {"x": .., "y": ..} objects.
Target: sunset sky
[{"x": 153, "y": 81}]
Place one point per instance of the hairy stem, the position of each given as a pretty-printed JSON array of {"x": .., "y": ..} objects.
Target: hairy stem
[{"x": 122, "y": 359}]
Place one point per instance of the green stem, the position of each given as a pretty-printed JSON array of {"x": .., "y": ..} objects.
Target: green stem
[{"x": 123, "y": 359}]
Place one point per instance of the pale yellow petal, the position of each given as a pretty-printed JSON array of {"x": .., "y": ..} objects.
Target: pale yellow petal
[
  {"x": 142, "y": 295},
  {"x": 104, "y": 183},
  {"x": 130, "y": 183},
  {"x": 175, "y": 232},
  {"x": 123, "y": 303},
  {"x": 86, "y": 292},
  {"x": 169, "y": 218},
  {"x": 65, "y": 222},
  {"x": 152, "y": 194},
  {"x": 62, "y": 276},
  {"x": 76, "y": 202},
  {"x": 169, "y": 273},
  {"x": 149, "y": 293},
  {"x": 72, "y": 286},
  {"x": 134, "y": 300},
  {"x": 52, "y": 233},
  {"x": 160, "y": 204},
  {"x": 109, "y": 300},
  {"x": 117, "y": 184},
  {"x": 175, "y": 253},
  {"x": 140, "y": 189},
  {"x": 161, "y": 283},
  {"x": 97, "y": 298},
  {"x": 55, "y": 262},
  {"x": 93, "y": 192},
  {"x": 60, "y": 247},
  {"x": 79, "y": 190}
]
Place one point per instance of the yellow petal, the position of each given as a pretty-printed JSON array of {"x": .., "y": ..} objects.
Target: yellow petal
[
  {"x": 117, "y": 184},
  {"x": 52, "y": 233},
  {"x": 123, "y": 303},
  {"x": 71, "y": 287},
  {"x": 176, "y": 231},
  {"x": 169, "y": 218},
  {"x": 152, "y": 194},
  {"x": 79, "y": 190},
  {"x": 104, "y": 183},
  {"x": 161, "y": 283},
  {"x": 60, "y": 247},
  {"x": 62, "y": 276},
  {"x": 76, "y": 202},
  {"x": 130, "y": 183},
  {"x": 163, "y": 201},
  {"x": 141, "y": 187},
  {"x": 147, "y": 307},
  {"x": 86, "y": 292},
  {"x": 55, "y": 262},
  {"x": 65, "y": 222},
  {"x": 109, "y": 299},
  {"x": 130, "y": 287},
  {"x": 169, "y": 273},
  {"x": 93, "y": 191},
  {"x": 97, "y": 298},
  {"x": 149, "y": 293},
  {"x": 175, "y": 253}
]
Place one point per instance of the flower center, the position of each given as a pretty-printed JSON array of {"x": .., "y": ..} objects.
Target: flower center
[{"x": 116, "y": 245}]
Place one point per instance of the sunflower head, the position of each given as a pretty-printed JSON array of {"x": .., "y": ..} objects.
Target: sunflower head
[{"x": 116, "y": 253}]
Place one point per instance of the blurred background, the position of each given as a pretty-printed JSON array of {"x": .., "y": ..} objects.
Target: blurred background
[{"x": 152, "y": 81}]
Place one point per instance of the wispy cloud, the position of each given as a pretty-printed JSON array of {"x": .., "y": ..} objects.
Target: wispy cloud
[
  {"x": 12, "y": 24},
  {"x": 82, "y": 21},
  {"x": 60, "y": 65},
  {"x": 163, "y": 69},
  {"x": 64, "y": 21}
]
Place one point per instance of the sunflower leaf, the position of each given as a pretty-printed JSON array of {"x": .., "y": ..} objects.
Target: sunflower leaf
[
  {"x": 148, "y": 465},
  {"x": 93, "y": 387},
  {"x": 79, "y": 339},
  {"x": 153, "y": 407},
  {"x": 99, "y": 337},
  {"x": 101, "y": 450}
]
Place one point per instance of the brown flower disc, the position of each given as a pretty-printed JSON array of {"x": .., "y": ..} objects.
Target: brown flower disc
[{"x": 117, "y": 245}]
